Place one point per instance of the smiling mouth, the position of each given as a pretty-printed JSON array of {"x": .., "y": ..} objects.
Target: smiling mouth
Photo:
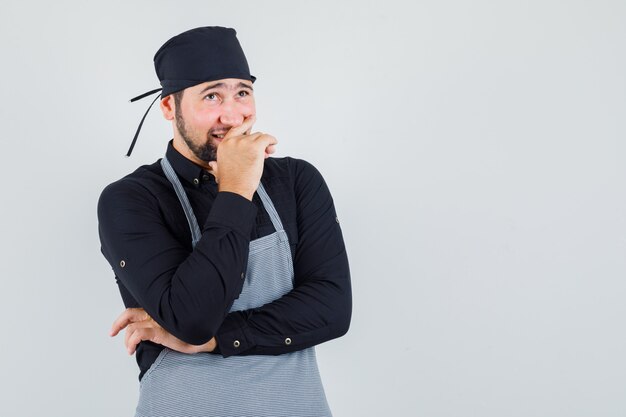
[{"x": 216, "y": 136}]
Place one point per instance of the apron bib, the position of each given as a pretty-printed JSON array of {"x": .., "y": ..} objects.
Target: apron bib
[{"x": 207, "y": 385}]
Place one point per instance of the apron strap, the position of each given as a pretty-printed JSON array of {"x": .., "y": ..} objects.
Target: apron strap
[
  {"x": 269, "y": 206},
  {"x": 184, "y": 201},
  {"x": 191, "y": 218}
]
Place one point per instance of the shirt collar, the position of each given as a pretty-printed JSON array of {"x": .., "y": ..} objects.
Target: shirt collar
[{"x": 186, "y": 169}]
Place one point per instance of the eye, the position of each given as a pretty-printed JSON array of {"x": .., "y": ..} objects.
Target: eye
[
  {"x": 244, "y": 93},
  {"x": 211, "y": 96}
]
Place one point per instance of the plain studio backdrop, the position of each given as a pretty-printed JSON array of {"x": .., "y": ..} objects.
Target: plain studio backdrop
[{"x": 474, "y": 150}]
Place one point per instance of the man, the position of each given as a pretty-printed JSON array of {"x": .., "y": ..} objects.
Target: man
[{"x": 231, "y": 263}]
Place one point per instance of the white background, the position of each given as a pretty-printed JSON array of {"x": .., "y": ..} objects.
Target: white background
[{"x": 475, "y": 152}]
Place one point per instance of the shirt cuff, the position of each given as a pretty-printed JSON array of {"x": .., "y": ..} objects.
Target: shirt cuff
[
  {"x": 233, "y": 336},
  {"x": 233, "y": 210}
]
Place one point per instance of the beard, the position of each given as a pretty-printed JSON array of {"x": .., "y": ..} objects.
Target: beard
[{"x": 206, "y": 151}]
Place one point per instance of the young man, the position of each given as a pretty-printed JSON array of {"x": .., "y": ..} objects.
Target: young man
[{"x": 231, "y": 264}]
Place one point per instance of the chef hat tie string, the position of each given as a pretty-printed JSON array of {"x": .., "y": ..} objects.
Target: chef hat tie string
[
  {"x": 139, "y": 97},
  {"x": 193, "y": 57}
]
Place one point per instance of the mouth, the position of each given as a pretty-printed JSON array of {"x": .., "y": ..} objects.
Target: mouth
[{"x": 218, "y": 137}]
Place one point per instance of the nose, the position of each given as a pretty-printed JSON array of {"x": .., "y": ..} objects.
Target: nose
[{"x": 231, "y": 115}]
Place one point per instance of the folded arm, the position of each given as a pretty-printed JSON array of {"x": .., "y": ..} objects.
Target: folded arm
[
  {"x": 186, "y": 293},
  {"x": 316, "y": 310},
  {"x": 319, "y": 306}
]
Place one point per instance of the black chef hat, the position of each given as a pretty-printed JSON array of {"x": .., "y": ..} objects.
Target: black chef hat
[{"x": 194, "y": 57}]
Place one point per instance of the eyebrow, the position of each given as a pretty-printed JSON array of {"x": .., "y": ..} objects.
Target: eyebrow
[{"x": 222, "y": 85}]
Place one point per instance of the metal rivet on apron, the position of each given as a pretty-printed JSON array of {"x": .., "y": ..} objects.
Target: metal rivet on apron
[
  {"x": 337, "y": 219},
  {"x": 196, "y": 181},
  {"x": 122, "y": 263},
  {"x": 236, "y": 343},
  {"x": 243, "y": 275},
  {"x": 287, "y": 341}
]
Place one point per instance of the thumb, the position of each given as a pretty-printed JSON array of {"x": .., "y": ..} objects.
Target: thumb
[{"x": 213, "y": 166}]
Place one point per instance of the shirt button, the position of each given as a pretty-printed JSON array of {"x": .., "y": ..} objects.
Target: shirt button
[
  {"x": 287, "y": 341},
  {"x": 205, "y": 178},
  {"x": 196, "y": 181},
  {"x": 236, "y": 343},
  {"x": 122, "y": 263}
]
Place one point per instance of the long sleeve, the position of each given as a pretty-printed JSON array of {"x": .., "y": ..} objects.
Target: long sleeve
[
  {"x": 319, "y": 306},
  {"x": 186, "y": 293}
]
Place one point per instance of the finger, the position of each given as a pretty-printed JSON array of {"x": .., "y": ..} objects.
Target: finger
[
  {"x": 242, "y": 129},
  {"x": 137, "y": 337},
  {"x": 213, "y": 170},
  {"x": 130, "y": 330},
  {"x": 261, "y": 137},
  {"x": 141, "y": 332},
  {"x": 266, "y": 139},
  {"x": 129, "y": 315},
  {"x": 138, "y": 326},
  {"x": 269, "y": 150}
]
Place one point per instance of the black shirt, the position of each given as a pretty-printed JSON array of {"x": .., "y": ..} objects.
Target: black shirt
[{"x": 146, "y": 239}]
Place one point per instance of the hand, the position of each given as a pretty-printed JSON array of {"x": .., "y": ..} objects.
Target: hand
[
  {"x": 240, "y": 159},
  {"x": 140, "y": 326}
]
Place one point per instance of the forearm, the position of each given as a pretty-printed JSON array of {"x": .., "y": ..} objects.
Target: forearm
[
  {"x": 319, "y": 307},
  {"x": 186, "y": 293},
  {"x": 312, "y": 313}
]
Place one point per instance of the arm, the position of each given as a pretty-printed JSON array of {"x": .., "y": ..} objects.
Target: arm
[
  {"x": 320, "y": 305},
  {"x": 187, "y": 294}
]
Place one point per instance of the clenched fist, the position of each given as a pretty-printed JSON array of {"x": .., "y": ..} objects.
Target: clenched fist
[{"x": 240, "y": 158}]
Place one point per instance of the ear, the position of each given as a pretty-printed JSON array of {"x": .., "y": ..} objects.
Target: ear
[{"x": 168, "y": 107}]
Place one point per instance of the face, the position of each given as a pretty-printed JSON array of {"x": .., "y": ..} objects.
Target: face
[{"x": 205, "y": 114}]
